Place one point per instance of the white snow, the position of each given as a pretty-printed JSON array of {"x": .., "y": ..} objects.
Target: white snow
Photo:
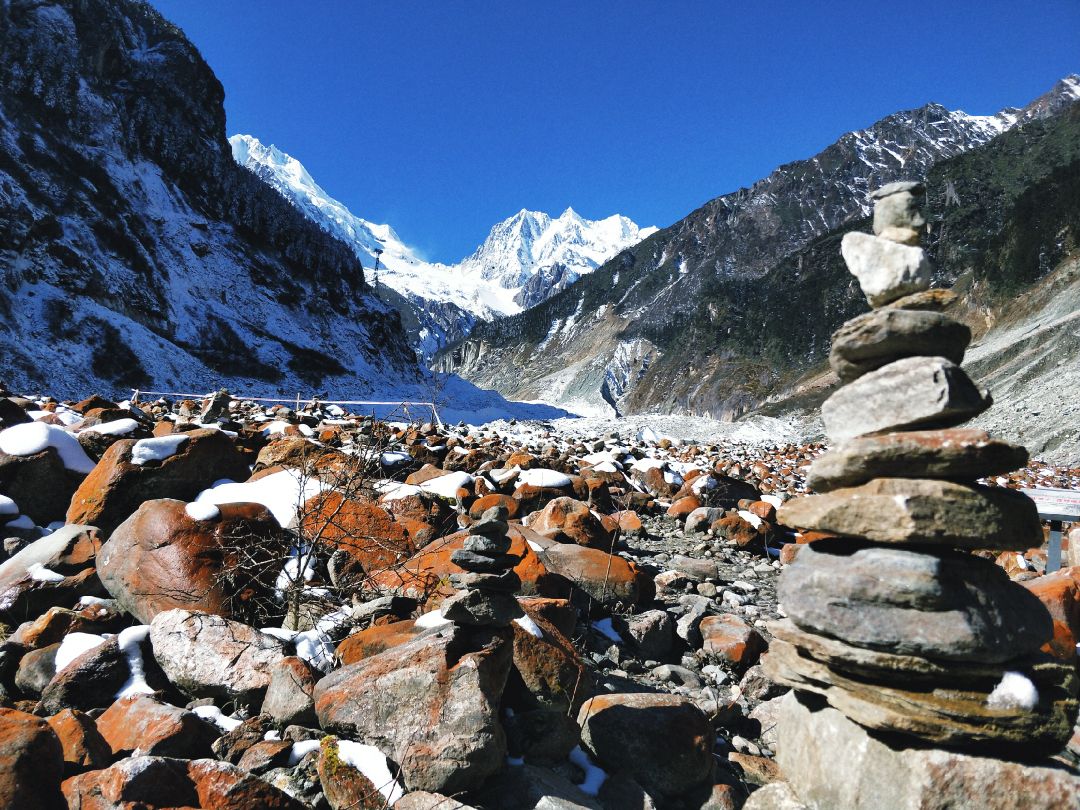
[
  {"x": 433, "y": 618},
  {"x": 1015, "y": 691},
  {"x": 283, "y": 493},
  {"x": 371, "y": 762},
  {"x": 118, "y": 427},
  {"x": 225, "y": 723},
  {"x": 33, "y": 437},
  {"x": 8, "y": 506},
  {"x": 447, "y": 485},
  {"x": 543, "y": 478},
  {"x": 40, "y": 573},
  {"x": 157, "y": 449},
  {"x": 302, "y": 749},
  {"x": 202, "y": 511},
  {"x": 594, "y": 776},
  {"x": 750, "y": 518},
  {"x": 529, "y": 626},
  {"x": 393, "y": 457},
  {"x": 21, "y": 522},
  {"x": 315, "y": 645},
  {"x": 74, "y": 645},
  {"x": 129, "y": 640},
  {"x": 775, "y": 500}
]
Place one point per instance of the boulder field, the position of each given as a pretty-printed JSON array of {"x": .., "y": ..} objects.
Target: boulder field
[{"x": 221, "y": 605}]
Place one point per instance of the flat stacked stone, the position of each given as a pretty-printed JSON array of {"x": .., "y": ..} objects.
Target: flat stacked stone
[
  {"x": 486, "y": 597},
  {"x": 893, "y": 622}
]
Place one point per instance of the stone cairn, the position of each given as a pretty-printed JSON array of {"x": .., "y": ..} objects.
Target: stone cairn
[
  {"x": 487, "y": 589},
  {"x": 892, "y": 620}
]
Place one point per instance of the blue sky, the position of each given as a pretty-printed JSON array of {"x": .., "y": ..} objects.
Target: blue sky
[{"x": 442, "y": 118}]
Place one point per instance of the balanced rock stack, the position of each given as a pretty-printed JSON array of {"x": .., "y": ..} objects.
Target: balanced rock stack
[
  {"x": 893, "y": 621},
  {"x": 489, "y": 584}
]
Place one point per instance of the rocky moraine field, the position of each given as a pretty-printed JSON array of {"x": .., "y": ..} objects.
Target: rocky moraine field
[{"x": 216, "y": 603}]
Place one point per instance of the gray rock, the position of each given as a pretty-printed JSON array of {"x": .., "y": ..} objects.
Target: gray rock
[
  {"x": 777, "y": 796},
  {"x": 914, "y": 392},
  {"x": 651, "y": 632},
  {"x": 875, "y": 775},
  {"x": 951, "y": 607},
  {"x": 430, "y": 704},
  {"x": 767, "y": 714},
  {"x": 921, "y": 510},
  {"x": 36, "y": 669},
  {"x": 422, "y": 800},
  {"x": 666, "y": 742},
  {"x": 885, "y": 269},
  {"x": 687, "y": 626},
  {"x": 290, "y": 696},
  {"x": 673, "y": 673},
  {"x": 877, "y": 338},
  {"x": 481, "y": 608},
  {"x": 210, "y": 656},
  {"x": 956, "y": 710},
  {"x": 701, "y": 518},
  {"x": 695, "y": 569},
  {"x": 956, "y": 454},
  {"x": 899, "y": 205}
]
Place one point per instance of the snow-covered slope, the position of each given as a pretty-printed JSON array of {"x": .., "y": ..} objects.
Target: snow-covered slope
[{"x": 524, "y": 260}]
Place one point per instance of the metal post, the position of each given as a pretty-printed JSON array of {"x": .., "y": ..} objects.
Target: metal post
[{"x": 1053, "y": 551}]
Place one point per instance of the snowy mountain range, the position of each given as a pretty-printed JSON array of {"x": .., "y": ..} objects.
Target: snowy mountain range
[
  {"x": 524, "y": 260},
  {"x": 687, "y": 321}
]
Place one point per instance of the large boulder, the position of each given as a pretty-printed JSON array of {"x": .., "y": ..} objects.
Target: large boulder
[
  {"x": 548, "y": 672},
  {"x": 151, "y": 782},
  {"x": 40, "y": 467},
  {"x": 946, "y": 606},
  {"x": 209, "y": 656},
  {"x": 134, "y": 471},
  {"x": 290, "y": 698},
  {"x": 427, "y": 573},
  {"x": 366, "y": 534},
  {"x": 31, "y": 763},
  {"x": 52, "y": 571},
  {"x": 84, "y": 747},
  {"x": 663, "y": 741},
  {"x": 1060, "y": 594},
  {"x": 921, "y": 511},
  {"x": 171, "y": 555},
  {"x": 155, "y": 728},
  {"x": 567, "y": 520},
  {"x": 876, "y": 775},
  {"x": 431, "y": 705},
  {"x": 606, "y": 579}
]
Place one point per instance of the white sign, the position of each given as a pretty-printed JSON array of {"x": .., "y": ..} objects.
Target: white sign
[{"x": 1056, "y": 504}]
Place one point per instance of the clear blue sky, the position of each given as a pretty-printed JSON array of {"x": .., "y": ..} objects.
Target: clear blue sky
[{"x": 443, "y": 117}]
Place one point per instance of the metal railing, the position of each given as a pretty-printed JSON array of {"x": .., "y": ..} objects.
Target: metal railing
[{"x": 299, "y": 401}]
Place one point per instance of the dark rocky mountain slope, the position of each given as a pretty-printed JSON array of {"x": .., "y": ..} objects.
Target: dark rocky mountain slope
[{"x": 134, "y": 251}]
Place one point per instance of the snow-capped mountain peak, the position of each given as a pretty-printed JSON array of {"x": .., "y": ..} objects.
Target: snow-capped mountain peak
[
  {"x": 525, "y": 258},
  {"x": 530, "y": 243}
]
